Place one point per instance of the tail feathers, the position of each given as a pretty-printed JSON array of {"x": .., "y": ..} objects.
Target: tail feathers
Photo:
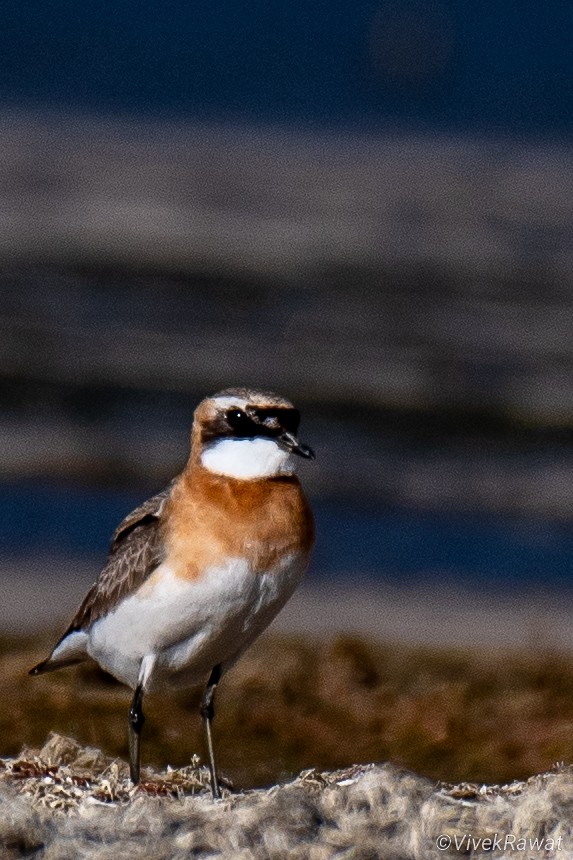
[
  {"x": 69, "y": 650},
  {"x": 50, "y": 665}
]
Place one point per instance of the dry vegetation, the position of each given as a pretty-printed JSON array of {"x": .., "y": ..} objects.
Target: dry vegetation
[{"x": 292, "y": 704}]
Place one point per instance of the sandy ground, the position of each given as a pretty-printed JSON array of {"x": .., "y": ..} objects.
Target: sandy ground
[{"x": 40, "y": 594}]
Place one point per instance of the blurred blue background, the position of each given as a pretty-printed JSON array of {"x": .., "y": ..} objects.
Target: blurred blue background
[
  {"x": 366, "y": 206},
  {"x": 449, "y": 64}
]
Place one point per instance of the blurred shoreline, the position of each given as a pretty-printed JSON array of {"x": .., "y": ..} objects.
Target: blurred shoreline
[
  {"x": 183, "y": 196},
  {"x": 386, "y": 275}
]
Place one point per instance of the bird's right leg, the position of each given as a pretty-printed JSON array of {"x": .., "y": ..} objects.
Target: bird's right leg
[
  {"x": 136, "y": 721},
  {"x": 207, "y": 709}
]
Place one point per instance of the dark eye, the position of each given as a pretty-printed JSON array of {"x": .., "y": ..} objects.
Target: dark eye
[{"x": 236, "y": 417}]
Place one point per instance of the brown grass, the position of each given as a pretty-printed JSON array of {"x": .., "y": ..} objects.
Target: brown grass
[{"x": 293, "y": 703}]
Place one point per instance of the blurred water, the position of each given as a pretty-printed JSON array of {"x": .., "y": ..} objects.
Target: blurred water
[
  {"x": 437, "y": 63},
  {"x": 364, "y": 541}
]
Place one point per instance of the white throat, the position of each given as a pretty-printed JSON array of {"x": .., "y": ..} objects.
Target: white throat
[{"x": 247, "y": 458}]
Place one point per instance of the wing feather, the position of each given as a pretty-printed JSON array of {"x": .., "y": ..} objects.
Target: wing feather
[
  {"x": 150, "y": 510},
  {"x": 137, "y": 548}
]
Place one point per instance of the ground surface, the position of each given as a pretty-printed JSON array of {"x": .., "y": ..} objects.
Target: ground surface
[{"x": 65, "y": 801}]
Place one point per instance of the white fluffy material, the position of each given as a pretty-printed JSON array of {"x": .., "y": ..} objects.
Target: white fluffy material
[
  {"x": 374, "y": 811},
  {"x": 247, "y": 458}
]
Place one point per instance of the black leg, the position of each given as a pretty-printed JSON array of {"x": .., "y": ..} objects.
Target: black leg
[
  {"x": 136, "y": 721},
  {"x": 208, "y": 712}
]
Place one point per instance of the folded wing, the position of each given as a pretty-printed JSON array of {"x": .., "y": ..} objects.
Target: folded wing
[{"x": 137, "y": 548}]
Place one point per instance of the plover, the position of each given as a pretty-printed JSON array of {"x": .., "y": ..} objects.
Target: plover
[{"x": 197, "y": 572}]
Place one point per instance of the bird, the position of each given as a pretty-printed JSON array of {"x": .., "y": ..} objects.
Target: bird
[{"x": 197, "y": 572}]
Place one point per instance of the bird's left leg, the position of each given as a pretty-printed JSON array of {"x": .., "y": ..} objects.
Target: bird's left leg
[
  {"x": 136, "y": 721},
  {"x": 136, "y": 717},
  {"x": 207, "y": 709}
]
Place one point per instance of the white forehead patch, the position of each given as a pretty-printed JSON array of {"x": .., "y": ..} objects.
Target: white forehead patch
[
  {"x": 230, "y": 402},
  {"x": 227, "y": 401},
  {"x": 247, "y": 458}
]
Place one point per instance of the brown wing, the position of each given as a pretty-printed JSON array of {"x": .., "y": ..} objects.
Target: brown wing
[
  {"x": 136, "y": 550},
  {"x": 151, "y": 509}
]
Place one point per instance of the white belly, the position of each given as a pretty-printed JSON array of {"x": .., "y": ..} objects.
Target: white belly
[{"x": 185, "y": 628}]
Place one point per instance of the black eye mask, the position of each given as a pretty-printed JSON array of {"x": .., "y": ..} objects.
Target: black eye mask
[
  {"x": 242, "y": 425},
  {"x": 279, "y": 419},
  {"x": 262, "y": 422}
]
